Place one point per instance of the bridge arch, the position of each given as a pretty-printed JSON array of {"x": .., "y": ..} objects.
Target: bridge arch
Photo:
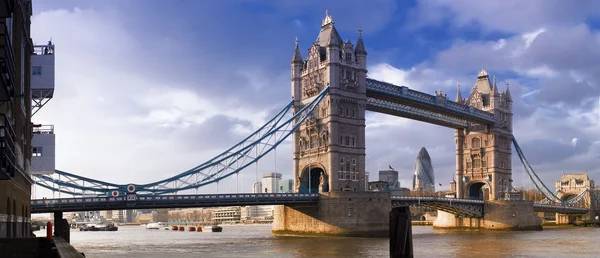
[
  {"x": 314, "y": 179},
  {"x": 478, "y": 190}
]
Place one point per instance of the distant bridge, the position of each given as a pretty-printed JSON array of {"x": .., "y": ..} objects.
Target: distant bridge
[{"x": 461, "y": 207}]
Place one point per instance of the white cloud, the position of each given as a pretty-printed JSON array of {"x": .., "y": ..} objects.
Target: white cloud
[
  {"x": 528, "y": 38},
  {"x": 541, "y": 71}
]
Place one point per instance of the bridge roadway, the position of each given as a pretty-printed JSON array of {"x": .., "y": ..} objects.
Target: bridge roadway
[{"x": 462, "y": 207}]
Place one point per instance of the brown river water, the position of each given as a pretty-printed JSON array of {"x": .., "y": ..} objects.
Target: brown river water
[{"x": 258, "y": 241}]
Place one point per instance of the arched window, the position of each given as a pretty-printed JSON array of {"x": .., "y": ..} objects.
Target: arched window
[{"x": 475, "y": 143}]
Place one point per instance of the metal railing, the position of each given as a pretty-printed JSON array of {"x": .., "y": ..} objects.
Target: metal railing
[
  {"x": 7, "y": 145},
  {"x": 7, "y": 62}
]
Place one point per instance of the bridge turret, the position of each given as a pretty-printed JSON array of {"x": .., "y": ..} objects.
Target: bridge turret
[
  {"x": 297, "y": 64},
  {"x": 361, "y": 61}
]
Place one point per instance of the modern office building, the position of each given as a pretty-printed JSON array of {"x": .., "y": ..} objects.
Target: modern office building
[
  {"x": 390, "y": 176},
  {"x": 270, "y": 182},
  {"x": 423, "y": 179},
  {"x": 286, "y": 186}
]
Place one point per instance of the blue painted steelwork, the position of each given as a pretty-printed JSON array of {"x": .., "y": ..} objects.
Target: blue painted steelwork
[
  {"x": 133, "y": 201},
  {"x": 72, "y": 184},
  {"x": 226, "y": 164},
  {"x": 416, "y": 113},
  {"x": 559, "y": 209},
  {"x": 539, "y": 185},
  {"x": 464, "y": 207},
  {"x": 416, "y": 99}
]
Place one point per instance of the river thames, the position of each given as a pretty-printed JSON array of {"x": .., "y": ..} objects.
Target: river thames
[{"x": 257, "y": 241}]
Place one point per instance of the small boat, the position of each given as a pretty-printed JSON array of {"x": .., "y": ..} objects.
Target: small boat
[
  {"x": 215, "y": 228},
  {"x": 100, "y": 227},
  {"x": 154, "y": 225}
]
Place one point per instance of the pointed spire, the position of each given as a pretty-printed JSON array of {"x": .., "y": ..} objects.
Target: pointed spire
[
  {"x": 360, "y": 46},
  {"x": 459, "y": 97},
  {"x": 297, "y": 55},
  {"x": 507, "y": 92},
  {"x": 483, "y": 72},
  {"x": 495, "y": 88},
  {"x": 328, "y": 19}
]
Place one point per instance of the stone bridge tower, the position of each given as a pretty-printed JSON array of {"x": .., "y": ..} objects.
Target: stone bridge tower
[
  {"x": 483, "y": 153},
  {"x": 329, "y": 148}
]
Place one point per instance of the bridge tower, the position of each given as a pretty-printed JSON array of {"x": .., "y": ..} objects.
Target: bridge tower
[
  {"x": 483, "y": 153},
  {"x": 329, "y": 149}
]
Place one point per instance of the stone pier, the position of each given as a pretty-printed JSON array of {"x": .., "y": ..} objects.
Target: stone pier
[
  {"x": 337, "y": 213},
  {"x": 498, "y": 215}
]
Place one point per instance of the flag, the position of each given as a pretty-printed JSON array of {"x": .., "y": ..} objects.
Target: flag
[
  {"x": 391, "y": 167},
  {"x": 440, "y": 184}
]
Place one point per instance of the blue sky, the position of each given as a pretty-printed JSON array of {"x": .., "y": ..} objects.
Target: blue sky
[{"x": 147, "y": 89}]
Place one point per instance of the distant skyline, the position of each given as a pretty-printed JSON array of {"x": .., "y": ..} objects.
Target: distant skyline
[{"x": 146, "y": 90}]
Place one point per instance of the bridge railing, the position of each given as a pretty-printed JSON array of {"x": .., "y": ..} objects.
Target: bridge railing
[{"x": 168, "y": 198}]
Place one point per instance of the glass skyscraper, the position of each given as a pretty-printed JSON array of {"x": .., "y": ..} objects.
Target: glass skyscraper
[{"x": 423, "y": 179}]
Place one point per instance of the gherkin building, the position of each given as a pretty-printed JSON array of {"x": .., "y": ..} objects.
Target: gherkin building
[{"x": 423, "y": 178}]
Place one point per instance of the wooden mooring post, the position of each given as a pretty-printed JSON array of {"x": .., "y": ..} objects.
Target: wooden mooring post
[{"x": 401, "y": 244}]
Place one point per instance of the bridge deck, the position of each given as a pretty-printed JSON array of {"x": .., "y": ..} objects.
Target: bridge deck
[
  {"x": 464, "y": 207},
  {"x": 168, "y": 201}
]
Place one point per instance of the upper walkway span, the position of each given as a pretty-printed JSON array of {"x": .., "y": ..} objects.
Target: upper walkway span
[{"x": 401, "y": 101}]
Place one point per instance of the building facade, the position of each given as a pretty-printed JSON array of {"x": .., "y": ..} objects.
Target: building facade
[
  {"x": 423, "y": 178},
  {"x": 329, "y": 148},
  {"x": 15, "y": 118}
]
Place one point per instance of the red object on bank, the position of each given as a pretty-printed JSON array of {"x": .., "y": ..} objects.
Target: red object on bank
[{"x": 49, "y": 230}]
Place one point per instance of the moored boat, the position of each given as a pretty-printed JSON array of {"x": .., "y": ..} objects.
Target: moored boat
[
  {"x": 215, "y": 228},
  {"x": 158, "y": 225}
]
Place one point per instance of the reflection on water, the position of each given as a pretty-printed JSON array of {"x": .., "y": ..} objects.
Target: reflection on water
[{"x": 257, "y": 241}]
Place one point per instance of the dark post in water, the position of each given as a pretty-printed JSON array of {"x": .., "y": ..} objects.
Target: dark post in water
[{"x": 400, "y": 233}]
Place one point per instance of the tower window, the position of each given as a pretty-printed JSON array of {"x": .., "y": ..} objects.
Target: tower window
[
  {"x": 476, "y": 162},
  {"x": 36, "y": 70},
  {"x": 37, "y": 152},
  {"x": 476, "y": 143},
  {"x": 353, "y": 144},
  {"x": 347, "y": 140},
  {"x": 348, "y": 56},
  {"x": 352, "y": 113},
  {"x": 342, "y": 160}
]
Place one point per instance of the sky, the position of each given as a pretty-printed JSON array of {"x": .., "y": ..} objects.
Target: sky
[{"x": 148, "y": 89}]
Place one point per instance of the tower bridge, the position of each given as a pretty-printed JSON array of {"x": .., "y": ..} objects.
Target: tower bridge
[{"x": 326, "y": 123}]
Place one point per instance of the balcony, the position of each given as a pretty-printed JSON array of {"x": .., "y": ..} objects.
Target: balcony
[
  {"x": 8, "y": 155},
  {"x": 7, "y": 64}
]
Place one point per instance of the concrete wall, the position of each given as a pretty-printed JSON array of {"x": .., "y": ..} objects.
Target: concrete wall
[{"x": 337, "y": 213}]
